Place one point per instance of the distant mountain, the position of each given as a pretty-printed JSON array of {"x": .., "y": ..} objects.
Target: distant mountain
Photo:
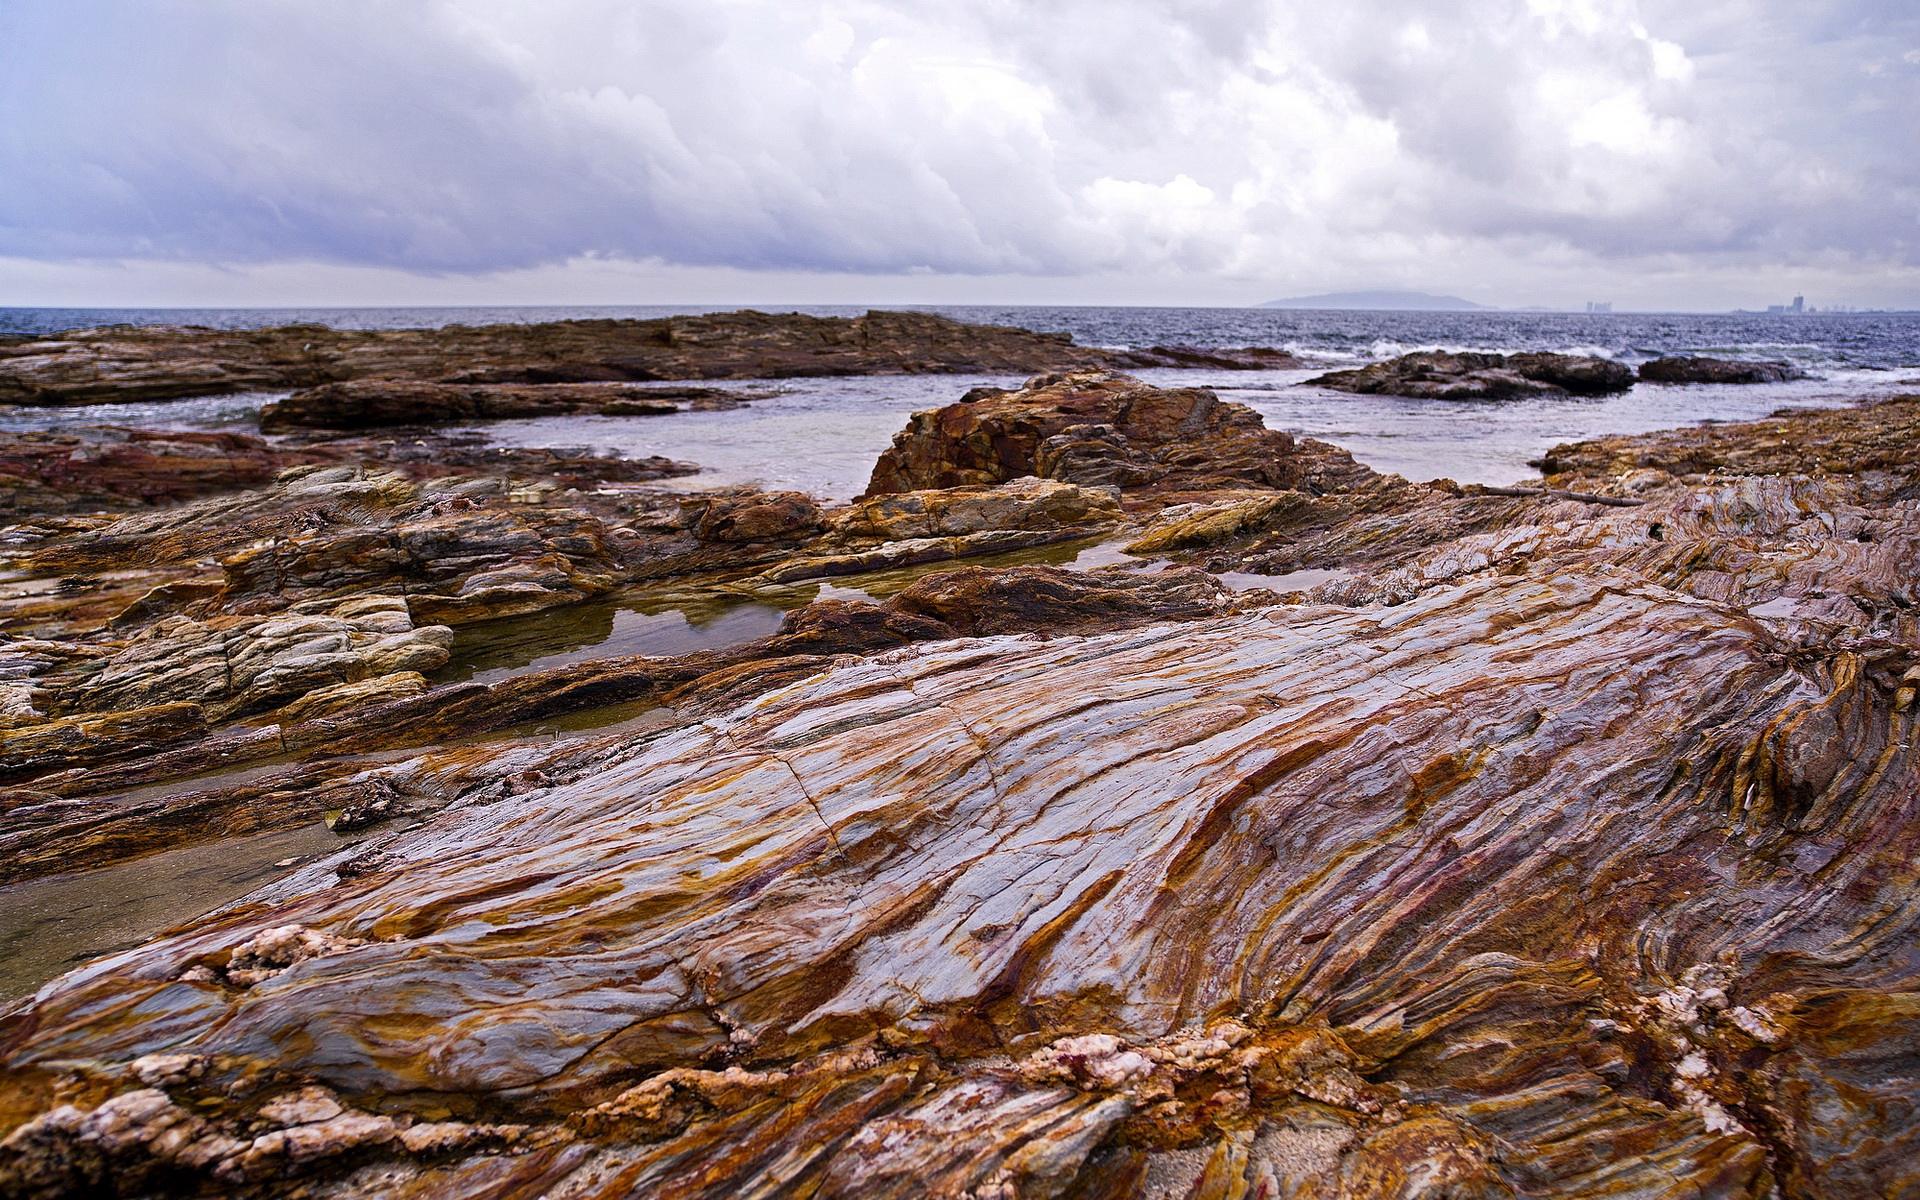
[{"x": 1420, "y": 301}]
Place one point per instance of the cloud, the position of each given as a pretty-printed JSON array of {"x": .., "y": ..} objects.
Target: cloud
[{"x": 1515, "y": 140}]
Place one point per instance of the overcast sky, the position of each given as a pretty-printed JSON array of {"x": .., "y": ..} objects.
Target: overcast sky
[{"x": 1657, "y": 153}]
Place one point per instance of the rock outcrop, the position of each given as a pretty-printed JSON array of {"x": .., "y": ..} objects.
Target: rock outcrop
[
  {"x": 1469, "y": 375},
  {"x": 106, "y": 467},
  {"x": 1694, "y": 369},
  {"x": 912, "y": 920},
  {"x": 1562, "y": 845},
  {"x": 371, "y": 403},
  {"x": 95, "y": 468},
  {"x": 1098, "y": 429},
  {"x": 123, "y": 363}
]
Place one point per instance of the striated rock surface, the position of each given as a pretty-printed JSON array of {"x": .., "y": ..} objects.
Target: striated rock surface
[
  {"x": 122, "y": 363},
  {"x": 1508, "y": 887},
  {"x": 1561, "y": 843},
  {"x": 1875, "y": 447},
  {"x": 1695, "y": 369},
  {"x": 1468, "y": 375},
  {"x": 1098, "y": 429},
  {"x": 96, "y": 468}
]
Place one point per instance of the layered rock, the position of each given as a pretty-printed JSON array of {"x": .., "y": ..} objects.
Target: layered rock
[
  {"x": 1563, "y": 846},
  {"x": 122, "y": 363},
  {"x": 1300, "y": 897},
  {"x": 102, "y": 468},
  {"x": 1104, "y": 430},
  {"x": 1698, "y": 369},
  {"x": 106, "y": 467},
  {"x": 367, "y": 403},
  {"x": 1876, "y": 447},
  {"x": 1469, "y": 375}
]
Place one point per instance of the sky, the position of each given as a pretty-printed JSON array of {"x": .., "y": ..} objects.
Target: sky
[{"x": 1660, "y": 154}]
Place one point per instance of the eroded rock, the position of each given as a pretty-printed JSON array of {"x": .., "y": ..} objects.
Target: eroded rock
[
  {"x": 124, "y": 363},
  {"x": 1097, "y": 429},
  {"x": 369, "y": 403},
  {"x": 1471, "y": 375},
  {"x": 1699, "y": 369}
]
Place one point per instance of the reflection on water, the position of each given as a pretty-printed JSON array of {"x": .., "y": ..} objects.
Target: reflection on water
[
  {"x": 50, "y": 925},
  {"x": 635, "y": 623},
  {"x": 667, "y": 621},
  {"x": 1290, "y": 581}
]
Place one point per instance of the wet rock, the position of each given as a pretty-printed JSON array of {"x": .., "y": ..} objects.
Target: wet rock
[
  {"x": 1468, "y": 375},
  {"x": 1698, "y": 369},
  {"x": 982, "y": 911},
  {"x": 112, "y": 467},
  {"x": 34, "y": 744},
  {"x": 1555, "y": 846},
  {"x": 977, "y": 601},
  {"x": 910, "y": 552},
  {"x": 1876, "y": 446},
  {"x": 1024, "y": 504},
  {"x": 753, "y": 516},
  {"x": 369, "y": 403},
  {"x": 1185, "y": 526},
  {"x": 241, "y": 664},
  {"x": 175, "y": 676},
  {"x": 344, "y": 697},
  {"x": 1241, "y": 358},
  {"x": 1103, "y": 430},
  {"x": 124, "y": 363}
]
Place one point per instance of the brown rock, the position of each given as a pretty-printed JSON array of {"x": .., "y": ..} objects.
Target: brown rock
[
  {"x": 112, "y": 467},
  {"x": 119, "y": 363},
  {"x": 1695, "y": 369},
  {"x": 1103, "y": 430},
  {"x": 366, "y": 403},
  {"x": 1448, "y": 375},
  {"x": 753, "y": 516},
  {"x": 979, "y": 601}
]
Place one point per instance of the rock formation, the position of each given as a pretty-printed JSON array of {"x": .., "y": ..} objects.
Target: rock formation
[
  {"x": 94, "y": 468},
  {"x": 1468, "y": 375},
  {"x": 1563, "y": 845},
  {"x": 122, "y": 363},
  {"x": 1693, "y": 369},
  {"x": 369, "y": 403},
  {"x": 1100, "y": 429}
]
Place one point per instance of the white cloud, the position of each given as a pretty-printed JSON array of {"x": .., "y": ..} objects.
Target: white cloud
[{"x": 1509, "y": 144}]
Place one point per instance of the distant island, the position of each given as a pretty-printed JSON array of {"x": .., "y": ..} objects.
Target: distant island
[{"x": 1413, "y": 301}]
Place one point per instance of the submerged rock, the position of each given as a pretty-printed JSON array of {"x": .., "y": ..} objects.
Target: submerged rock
[
  {"x": 1448, "y": 375},
  {"x": 1695, "y": 369}
]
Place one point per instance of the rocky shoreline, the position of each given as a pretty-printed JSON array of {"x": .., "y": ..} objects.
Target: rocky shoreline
[
  {"x": 123, "y": 363},
  {"x": 1130, "y": 800}
]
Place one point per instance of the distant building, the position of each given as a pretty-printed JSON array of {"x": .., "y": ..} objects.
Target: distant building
[
  {"x": 1798, "y": 306},
  {"x": 1599, "y": 306}
]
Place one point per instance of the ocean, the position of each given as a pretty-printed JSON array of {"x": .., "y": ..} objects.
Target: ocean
[
  {"x": 1837, "y": 340},
  {"x": 822, "y": 435}
]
